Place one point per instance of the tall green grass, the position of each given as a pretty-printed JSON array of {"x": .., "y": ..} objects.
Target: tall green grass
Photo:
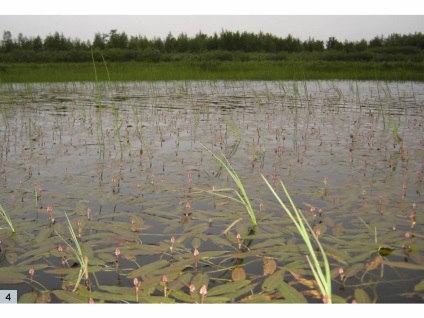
[
  {"x": 242, "y": 197},
  {"x": 212, "y": 70},
  {"x": 82, "y": 260},
  {"x": 322, "y": 277}
]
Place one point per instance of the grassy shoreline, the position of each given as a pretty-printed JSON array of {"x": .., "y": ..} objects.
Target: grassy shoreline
[{"x": 212, "y": 70}]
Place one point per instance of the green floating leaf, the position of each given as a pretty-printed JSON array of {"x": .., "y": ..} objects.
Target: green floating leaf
[
  {"x": 184, "y": 297},
  {"x": 8, "y": 276},
  {"x": 149, "y": 269},
  {"x": 271, "y": 282},
  {"x": 44, "y": 297},
  {"x": 419, "y": 286},
  {"x": 107, "y": 257},
  {"x": 384, "y": 251},
  {"x": 123, "y": 294},
  {"x": 180, "y": 282},
  {"x": 28, "y": 298},
  {"x": 70, "y": 297},
  {"x": 290, "y": 294},
  {"x": 199, "y": 280},
  {"x": 196, "y": 242},
  {"x": 404, "y": 265},
  {"x": 353, "y": 270},
  {"x": 216, "y": 300},
  {"x": 228, "y": 288},
  {"x": 361, "y": 296}
]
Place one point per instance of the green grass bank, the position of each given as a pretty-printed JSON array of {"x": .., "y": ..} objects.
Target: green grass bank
[{"x": 212, "y": 70}]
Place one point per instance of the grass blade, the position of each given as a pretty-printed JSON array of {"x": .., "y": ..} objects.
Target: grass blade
[
  {"x": 303, "y": 227},
  {"x": 6, "y": 217}
]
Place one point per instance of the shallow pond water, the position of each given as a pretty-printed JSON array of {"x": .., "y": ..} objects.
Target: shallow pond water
[{"x": 127, "y": 164}]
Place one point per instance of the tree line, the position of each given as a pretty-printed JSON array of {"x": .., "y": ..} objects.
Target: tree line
[{"x": 227, "y": 45}]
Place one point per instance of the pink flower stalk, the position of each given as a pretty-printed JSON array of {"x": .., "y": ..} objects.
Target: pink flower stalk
[
  {"x": 239, "y": 240},
  {"x": 406, "y": 237},
  {"x": 172, "y": 243},
  {"x": 318, "y": 232},
  {"x": 50, "y": 212},
  {"x": 117, "y": 253},
  {"x": 341, "y": 273},
  {"x": 164, "y": 280},
  {"x": 91, "y": 301},
  {"x": 88, "y": 214},
  {"x": 133, "y": 224},
  {"x": 196, "y": 256},
  {"x": 190, "y": 179},
  {"x": 31, "y": 273},
  {"x": 79, "y": 229},
  {"x": 203, "y": 291},
  {"x": 135, "y": 281},
  {"x": 192, "y": 288},
  {"x": 326, "y": 181}
]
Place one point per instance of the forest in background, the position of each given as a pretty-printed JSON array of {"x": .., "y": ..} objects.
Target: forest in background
[{"x": 226, "y": 46}]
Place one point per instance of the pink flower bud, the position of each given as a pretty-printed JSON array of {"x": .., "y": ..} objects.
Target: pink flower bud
[{"x": 203, "y": 291}]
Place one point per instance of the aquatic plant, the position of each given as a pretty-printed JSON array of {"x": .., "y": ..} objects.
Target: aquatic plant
[
  {"x": 6, "y": 217},
  {"x": 323, "y": 278},
  {"x": 203, "y": 291},
  {"x": 241, "y": 193},
  {"x": 78, "y": 254}
]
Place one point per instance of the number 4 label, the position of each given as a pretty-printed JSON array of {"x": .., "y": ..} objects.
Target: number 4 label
[{"x": 8, "y": 297}]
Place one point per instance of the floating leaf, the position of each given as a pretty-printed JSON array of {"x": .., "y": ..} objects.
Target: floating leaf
[
  {"x": 257, "y": 298},
  {"x": 184, "y": 297},
  {"x": 43, "y": 297},
  {"x": 353, "y": 270},
  {"x": 199, "y": 280},
  {"x": 271, "y": 282},
  {"x": 107, "y": 257},
  {"x": 148, "y": 269},
  {"x": 196, "y": 242},
  {"x": 419, "y": 286},
  {"x": 70, "y": 297},
  {"x": 8, "y": 276},
  {"x": 28, "y": 298},
  {"x": 238, "y": 273},
  {"x": 404, "y": 265},
  {"x": 269, "y": 266},
  {"x": 373, "y": 264},
  {"x": 12, "y": 258},
  {"x": 308, "y": 283},
  {"x": 361, "y": 296},
  {"x": 290, "y": 294},
  {"x": 227, "y": 288},
  {"x": 180, "y": 282},
  {"x": 384, "y": 251},
  {"x": 216, "y": 299}
]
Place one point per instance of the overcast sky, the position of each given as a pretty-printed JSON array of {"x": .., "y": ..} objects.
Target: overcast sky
[{"x": 316, "y": 19}]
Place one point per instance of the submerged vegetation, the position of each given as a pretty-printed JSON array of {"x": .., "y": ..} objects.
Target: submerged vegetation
[{"x": 168, "y": 192}]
